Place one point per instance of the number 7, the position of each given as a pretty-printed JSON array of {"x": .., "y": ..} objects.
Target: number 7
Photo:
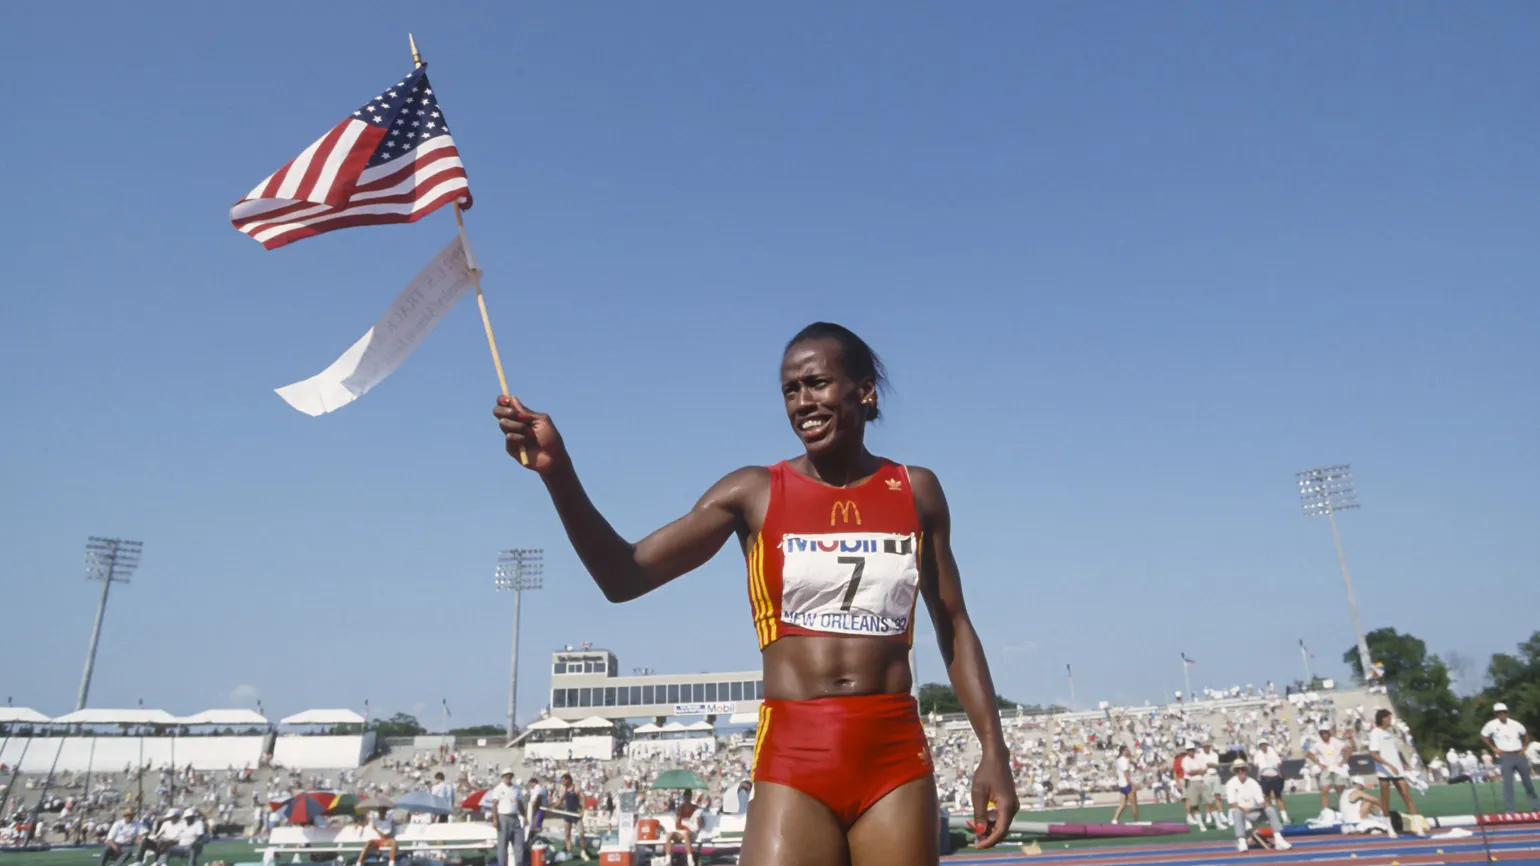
[{"x": 855, "y": 577}]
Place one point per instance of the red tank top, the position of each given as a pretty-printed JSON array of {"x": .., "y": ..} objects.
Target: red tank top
[{"x": 836, "y": 560}]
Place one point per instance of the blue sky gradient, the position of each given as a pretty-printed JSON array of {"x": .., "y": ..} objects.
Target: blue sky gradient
[{"x": 1131, "y": 266}]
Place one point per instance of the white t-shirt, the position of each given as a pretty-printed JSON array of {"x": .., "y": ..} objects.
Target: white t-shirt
[
  {"x": 1193, "y": 766},
  {"x": 1331, "y": 753},
  {"x": 1245, "y": 795},
  {"x": 192, "y": 833},
  {"x": 506, "y": 797},
  {"x": 1124, "y": 770},
  {"x": 383, "y": 826},
  {"x": 1268, "y": 762},
  {"x": 170, "y": 830},
  {"x": 1211, "y": 762},
  {"x": 1355, "y": 806},
  {"x": 1506, "y": 736},
  {"x": 124, "y": 831},
  {"x": 445, "y": 790},
  {"x": 1383, "y": 743}
]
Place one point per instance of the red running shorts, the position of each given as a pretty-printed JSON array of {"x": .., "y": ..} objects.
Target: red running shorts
[{"x": 846, "y": 752}]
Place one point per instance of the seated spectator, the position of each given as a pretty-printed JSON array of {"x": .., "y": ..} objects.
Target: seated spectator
[
  {"x": 384, "y": 835},
  {"x": 188, "y": 843},
  {"x": 121, "y": 837}
]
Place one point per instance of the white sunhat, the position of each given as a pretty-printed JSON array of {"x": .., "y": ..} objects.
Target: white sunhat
[{"x": 1499, "y": 707}]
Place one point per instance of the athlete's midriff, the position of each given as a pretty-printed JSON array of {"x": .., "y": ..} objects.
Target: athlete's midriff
[{"x": 836, "y": 561}]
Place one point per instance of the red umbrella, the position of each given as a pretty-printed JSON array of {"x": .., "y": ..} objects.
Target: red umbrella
[
  {"x": 305, "y": 808},
  {"x": 473, "y": 802}
]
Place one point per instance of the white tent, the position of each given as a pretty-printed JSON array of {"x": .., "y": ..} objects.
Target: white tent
[
  {"x": 672, "y": 727},
  {"x": 551, "y": 724},
  {"x": 700, "y": 726},
  {"x": 224, "y": 717},
  {"x": 743, "y": 719},
  {"x": 117, "y": 717},
  {"x": 648, "y": 728},
  {"x": 27, "y": 715},
  {"x": 594, "y": 722},
  {"x": 324, "y": 717}
]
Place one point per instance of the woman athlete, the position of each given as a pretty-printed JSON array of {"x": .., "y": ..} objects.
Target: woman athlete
[{"x": 838, "y": 542}]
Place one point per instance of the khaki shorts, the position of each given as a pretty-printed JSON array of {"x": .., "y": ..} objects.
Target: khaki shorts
[{"x": 1197, "y": 792}]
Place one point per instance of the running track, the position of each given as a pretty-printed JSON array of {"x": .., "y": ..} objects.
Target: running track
[{"x": 1519, "y": 846}]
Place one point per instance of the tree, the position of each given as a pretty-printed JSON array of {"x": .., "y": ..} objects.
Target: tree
[
  {"x": 1419, "y": 686},
  {"x": 1515, "y": 680},
  {"x": 479, "y": 731},
  {"x": 937, "y": 698},
  {"x": 399, "y": 725}
]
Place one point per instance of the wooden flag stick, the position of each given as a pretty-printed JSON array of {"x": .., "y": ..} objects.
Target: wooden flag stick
[{"x": 481, "y": 300}]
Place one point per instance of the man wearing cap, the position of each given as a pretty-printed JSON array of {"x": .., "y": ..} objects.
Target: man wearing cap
[
  {"x": 1508, "y": 740},
  {"x": 1330, "y": 753},
  {"x": 1211, "y": 779},
  {"x": 1270, "y": 776},
  {"x": 164, "y": 836},
  {"x": 505, "y": 805},
  {"x": 189, "y": 839},
  {"x": 1196, "y": 792},
  {"x": 1248, "y": 803}
]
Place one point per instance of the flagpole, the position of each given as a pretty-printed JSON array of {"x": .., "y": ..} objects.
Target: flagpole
[
  {"x": 1305, "y": 654},
  {"x": 1187, "y": 680},
  {"x": 475, "y": 271}
]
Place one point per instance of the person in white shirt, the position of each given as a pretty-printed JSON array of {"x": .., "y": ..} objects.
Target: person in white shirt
[
  {"x": 1123, "y": 767},
  {"x": 505, "y": 808},
  {"x": 1330, "y": 754},
  {"x": 1388, "y": 764},
  {"x": 383, "y": 833},
  {"x": 1270, "y": 776},
  {"x": 1361, "y": 812},
  {"x": 1452, "y": 758},
  {"x": 1211, "y": 779},
  {"x": 1508, "y": 739},
  {"x": 445, "y": 791},
  {"x": 1197, "y": 791},
  {"x": 121, "y": 837},
  {"x": 188, "y": 841},
  {"x": 1533, "y": 754},
  {"x": 1249, "y": 804}
]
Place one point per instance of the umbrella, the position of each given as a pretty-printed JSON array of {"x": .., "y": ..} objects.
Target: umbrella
[
  {"x": 305, "y": 808},
  {"x": 679, "y": 780},
  {"x": 473, "y": 802},
  {"x": 343, "y": 804},
  {"x": 422, "y": 801}
]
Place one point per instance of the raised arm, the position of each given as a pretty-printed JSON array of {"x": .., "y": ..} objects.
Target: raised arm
[
  {"x": 624, "y": 570},
  {"x": 963, "y": 655}
]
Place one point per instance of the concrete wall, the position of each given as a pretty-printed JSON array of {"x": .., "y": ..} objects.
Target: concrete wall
[
  {"x": 597, "y": 748},
  {"x": 113, "y": 754},
  {"x": 323, "y": 752}
]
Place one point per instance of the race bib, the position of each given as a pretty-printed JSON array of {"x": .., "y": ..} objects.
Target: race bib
[{"x": 849, "y": 582}]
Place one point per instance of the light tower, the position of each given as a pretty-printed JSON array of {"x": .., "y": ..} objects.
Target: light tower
[
  {"x": 1326, "y": 491},
  {"x": 518, "y": 569},
  {"x": 109, "y": 560}
]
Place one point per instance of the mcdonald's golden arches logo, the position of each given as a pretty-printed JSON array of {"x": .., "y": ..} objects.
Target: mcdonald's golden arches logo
[{"x": 844, "y": 509}]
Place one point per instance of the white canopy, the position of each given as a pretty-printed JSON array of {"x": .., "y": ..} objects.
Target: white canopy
[
  {"x": 116, "y": 717},
  {"x": 325, "y": 717},
  {"x": 9, "y": 715},
  {"x": 224, "y": 717},
  {"x": 594, "y": 722},
  {"x": 648, "y": 728},
  {"x": 743, "y": 719},
  {"x": 671, "y": 727},
  {"x": 551, "y": 724},
  {"x": 700, "y": 726}
]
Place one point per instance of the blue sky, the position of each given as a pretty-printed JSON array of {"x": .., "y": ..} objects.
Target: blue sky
[{"x": 1131, "y": 265}]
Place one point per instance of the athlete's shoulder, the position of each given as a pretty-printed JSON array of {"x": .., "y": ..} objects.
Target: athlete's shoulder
[{"x": 739, "y": 488}]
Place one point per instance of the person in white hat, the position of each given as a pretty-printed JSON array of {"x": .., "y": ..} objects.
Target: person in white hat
[
  {"x": 1330, "y": 753},
  {"x": 1269, "y": 764},
  {"x": 1508, "y": 740},
  {"x": 1249, "y": 804},
  {"x": 510, "y": 832}
]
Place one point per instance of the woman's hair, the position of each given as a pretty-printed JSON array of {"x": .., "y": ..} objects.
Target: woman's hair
[
  {"x": 1381, "y": 716},
  {"x": 858, "y": 359}
]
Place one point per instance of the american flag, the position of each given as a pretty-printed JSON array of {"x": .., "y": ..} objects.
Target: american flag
[
  {"x": 1187, "y": 661},
  {"x": 392, "y": 161}
]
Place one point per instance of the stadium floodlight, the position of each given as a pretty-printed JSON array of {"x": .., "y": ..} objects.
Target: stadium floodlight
[
  {"x": 518, "y": 569},
  {"x": 109, "y": 560},
  {"x": 1324, "y": 492}
]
